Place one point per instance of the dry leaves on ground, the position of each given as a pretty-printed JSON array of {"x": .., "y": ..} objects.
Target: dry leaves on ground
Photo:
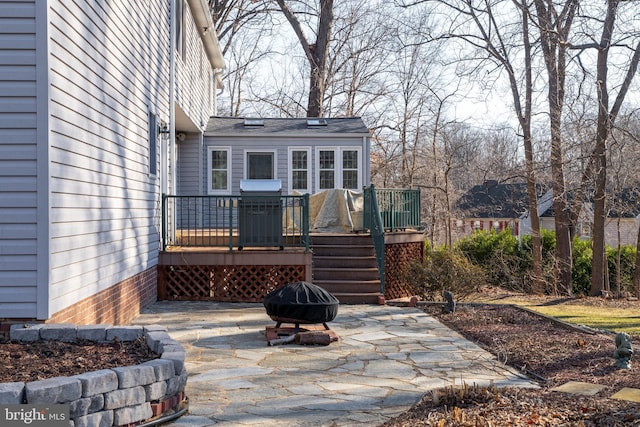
[{"x": 546, "y": 351}]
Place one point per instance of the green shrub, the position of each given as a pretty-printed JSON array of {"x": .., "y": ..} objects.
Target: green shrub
[
  {"x": 627, "y": 266},
  {"x": 581, "y": 274},
  {"x": 499, "y": 255},
  {"x": 444, "y": 270}
]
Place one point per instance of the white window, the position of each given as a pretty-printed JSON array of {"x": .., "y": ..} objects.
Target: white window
[
  {"x": 260, "y": 164},
  {"x": 219, "y": 161},
  {"x": 338, "y": 168},
  {"x": 326, "y": 169},
  {"x": 299, "y": 176},
  {"x": 350, "y": 169}
]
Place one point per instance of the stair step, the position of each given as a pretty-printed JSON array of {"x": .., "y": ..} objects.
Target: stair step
[
  {"x": 342, "y": 239},
  {"x": 359, "y": 274},
  {"x": 342, "y": 250},
  {"x": 326, "y": 261},
  {"x": 358, "y": 298},
  {"x": 346, "y": 286}
]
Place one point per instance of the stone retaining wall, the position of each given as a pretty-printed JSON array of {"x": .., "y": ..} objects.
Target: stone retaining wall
[{"x": 108, "y": 397}]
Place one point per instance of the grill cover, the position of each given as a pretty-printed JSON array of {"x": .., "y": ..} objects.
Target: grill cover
[{"x": 301, "y": 302}]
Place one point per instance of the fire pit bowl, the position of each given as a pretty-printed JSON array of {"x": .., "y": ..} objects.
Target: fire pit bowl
[{"x": 300, "y": 303}]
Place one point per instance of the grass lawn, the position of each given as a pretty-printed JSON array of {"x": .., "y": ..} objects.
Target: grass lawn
[{"x": 613, "y": 315}]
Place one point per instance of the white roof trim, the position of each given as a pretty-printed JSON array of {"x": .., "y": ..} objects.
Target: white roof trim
[{"x": 202, "y": 18}]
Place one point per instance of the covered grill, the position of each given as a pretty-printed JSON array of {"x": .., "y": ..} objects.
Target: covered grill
[
  {"x": 260, "y": 213},
  {"x": 301, "y": 303}
]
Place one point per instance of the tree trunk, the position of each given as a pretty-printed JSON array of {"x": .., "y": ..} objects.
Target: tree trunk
[
  {"x": 600, "y": 159},
  {"x": 636, "y": 271},
  {"x": 316, "y": 54},
  {"x": 553, "y": 35}
]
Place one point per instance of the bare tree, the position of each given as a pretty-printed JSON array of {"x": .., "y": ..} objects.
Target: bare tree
[
  {"x": 317, "y": 51},
  {"x": 481, "y": 27},
  {"x": 606, "y": 119}
]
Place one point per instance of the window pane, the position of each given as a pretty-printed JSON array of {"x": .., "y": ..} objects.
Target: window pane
[
  {"x": 219, "y": 160},
  {"x": 299, "y": 160},
  {"x": 299, "y": 180},
  {"x": 260, "y": 165},
  {"x": 219, "y": 171},
  {"x": 219, "y": 180},
  {"x": 350, "y": 179},
  {"x": 326, "y": 179},
  {"x": 350, "y": 160},
  {"x": 327, "y": 160}
]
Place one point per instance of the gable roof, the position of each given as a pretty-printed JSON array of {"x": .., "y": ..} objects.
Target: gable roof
[
  {"x": 622, "y": 204},
  {"x": 494, "y": 200},
  {"x": 235, "y": 126}
]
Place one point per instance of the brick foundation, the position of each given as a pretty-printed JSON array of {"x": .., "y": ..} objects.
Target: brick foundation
[{"x": 117, "y": 305}]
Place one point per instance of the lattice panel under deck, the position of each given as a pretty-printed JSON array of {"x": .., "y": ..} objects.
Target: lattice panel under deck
[
  {"x": 230, "y": 283},
  {"x": 397, "y": 258}
]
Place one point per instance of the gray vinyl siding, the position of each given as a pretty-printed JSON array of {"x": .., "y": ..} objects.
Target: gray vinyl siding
[
  {"x": 18, "y": 160},
  {"x": 189, "y": 175},
  {"x": 282, "y": 145},
  {"x": 193, "y": 77},
  {"x": 109, "y": 65}
]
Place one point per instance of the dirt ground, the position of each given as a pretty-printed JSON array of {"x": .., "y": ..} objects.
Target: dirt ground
[
  {"x": 47, "y": 359},
  {"x": 547, "y": 352}
]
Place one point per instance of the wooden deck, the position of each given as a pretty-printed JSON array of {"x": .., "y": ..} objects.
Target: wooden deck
[{"x": 342, "y": 263}]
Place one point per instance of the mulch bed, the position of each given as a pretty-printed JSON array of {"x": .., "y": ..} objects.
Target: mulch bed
[
  {"x": 47, "y": 359},
  {"x": 549, "y": 353}
]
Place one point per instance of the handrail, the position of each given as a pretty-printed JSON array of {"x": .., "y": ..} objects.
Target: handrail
[
  {"x": 372, "y": 220},
  {"x": 235, "y": 221},
  {"x": 399, "y": 208}
]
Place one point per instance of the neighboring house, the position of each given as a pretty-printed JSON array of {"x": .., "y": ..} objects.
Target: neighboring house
[
  {"x": 92, "y": 95},
  {"x": 306, "y": 155},
  {"x": 621, "y": 225},
  {"x": 491, "y": 206},
  {"x": 494, "y": 206}
]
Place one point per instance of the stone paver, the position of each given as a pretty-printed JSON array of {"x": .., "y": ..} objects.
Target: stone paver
[
  {"x": 578, "y": 387},
  {"x": 628, "y": 393},
  {"x": 386, "y": 359}
]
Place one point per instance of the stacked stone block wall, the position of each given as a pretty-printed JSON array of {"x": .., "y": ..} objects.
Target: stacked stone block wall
[{"x": 108, "y": 397}]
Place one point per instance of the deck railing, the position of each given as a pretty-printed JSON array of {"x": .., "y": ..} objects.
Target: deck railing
[
  {"x": 372, "y": 220},
  {"x": 399, "y": 208},
  {"x": 235, "y": 221},
  {"x": 389, "y": 209}
]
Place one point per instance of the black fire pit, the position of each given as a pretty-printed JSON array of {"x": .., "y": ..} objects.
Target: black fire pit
[{"x": 301, "y": 303}]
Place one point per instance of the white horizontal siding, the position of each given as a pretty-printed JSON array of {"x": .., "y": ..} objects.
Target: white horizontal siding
[
  {"x": 18, "y": 163},
  {"x": 193, "y": 77},
  {"x": 109, "y": 65}
]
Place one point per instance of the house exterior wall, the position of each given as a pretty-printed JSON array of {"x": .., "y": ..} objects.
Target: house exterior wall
[
  {"x": 281, "y": 145},
  {"x": 79, "y": 201},
  {"x": 19, "y": 171},
  {"x": 109, "y": 63},
  {"x": 628, "y": 228},
  {"x": 195, "y": 93}
]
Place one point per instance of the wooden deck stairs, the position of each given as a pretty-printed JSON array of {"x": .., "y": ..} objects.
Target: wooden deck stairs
[{"x": 345, "y": 265}]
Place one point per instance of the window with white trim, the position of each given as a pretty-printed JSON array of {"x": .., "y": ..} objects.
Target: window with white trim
[
  {"x": 326, "y": 169},
  {"x": 338, "y": 168},
  {"x": 299, "y": 177},
  {"x": 350, "y": 169},
  {"x": 260, "y": 164},
  {"x": 219, "y": 165}
]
